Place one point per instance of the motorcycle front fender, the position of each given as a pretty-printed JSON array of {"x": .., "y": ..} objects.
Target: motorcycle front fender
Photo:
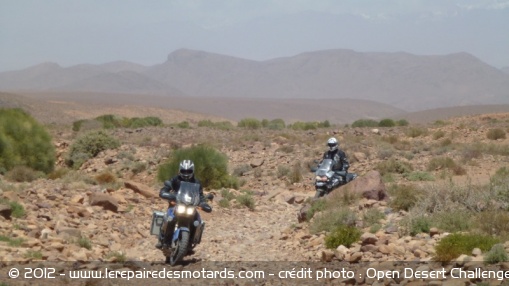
[{"x": 176, "y": 233}]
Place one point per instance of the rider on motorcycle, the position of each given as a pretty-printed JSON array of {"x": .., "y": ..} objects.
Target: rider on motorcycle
[
  {"x": 169, "y": 192},
  {"x": 340, "y": 159}
]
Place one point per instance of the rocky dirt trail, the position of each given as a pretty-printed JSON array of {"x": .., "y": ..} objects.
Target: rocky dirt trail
[{"x": 240, "y": 234}]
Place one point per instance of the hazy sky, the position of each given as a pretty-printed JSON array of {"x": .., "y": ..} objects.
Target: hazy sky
[{"x": 71, "y": 32}]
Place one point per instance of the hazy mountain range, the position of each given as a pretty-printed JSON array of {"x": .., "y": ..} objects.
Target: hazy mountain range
[{"x": 402, "y": 80}]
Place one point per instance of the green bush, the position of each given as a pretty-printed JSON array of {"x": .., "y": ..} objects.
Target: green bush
[
  {"x": 250, "y": 123},
  {"x": 316, "y": 206},
  {"x": 23, "y": 174},
  {"x": 438, "y": 163},
  {"x": 456, "y": 244},
  {"x": 419, "y": 176},
  {"x": 25, "y": 142},
  {"x": 421, "y": 224},
  {"x": 403, "y": 197},
  {"x": 496, "y": 254},
  {"x": 452, "y": 220},
  {"x": 402, "y": 122},
  {"x": 387, "y": 122},
  {"x": 372, "y": 216},
  {"x": 276, "y": 124},
  {"x": 18, "y": 211},
  {"x": 342, "y": 235},
  {"x": 210, "y": 165},
  {"x": 88, "y": 146},
  {"x": 246, "y": 200},
  {"x": 109, "y": 121},
  {"x": 331, "y": 218},
  {"x": 299, "y": 125},
  {"x": 183, "y": 125},
  {"x": 416, "y": 132},
  {"x": 494, "y": 134},
  {"x": 438, "y": 134},
  {"x": 365, "y": 123},
  {"x": 393, "y": 166}
]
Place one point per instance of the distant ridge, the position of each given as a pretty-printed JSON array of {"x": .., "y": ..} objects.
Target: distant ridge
[{"x": 403, "y": 80}]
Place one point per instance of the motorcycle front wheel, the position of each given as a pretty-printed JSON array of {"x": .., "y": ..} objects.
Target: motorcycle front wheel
[{"x": 181, "y": 249}]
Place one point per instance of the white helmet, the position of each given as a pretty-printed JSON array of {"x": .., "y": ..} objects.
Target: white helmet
[
  {"x": 186, "y": 169},
  {"x": 333, "y": 144}
]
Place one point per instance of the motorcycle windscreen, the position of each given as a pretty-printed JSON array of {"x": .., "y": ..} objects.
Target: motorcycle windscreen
[
  {"x": 324, "y": 167},
  {"x": 189, "y": 194}
]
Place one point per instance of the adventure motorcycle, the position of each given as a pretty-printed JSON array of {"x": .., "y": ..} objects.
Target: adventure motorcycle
[
  {"x": 326, "y": 179},
  {"x": 188, "y": 228}
]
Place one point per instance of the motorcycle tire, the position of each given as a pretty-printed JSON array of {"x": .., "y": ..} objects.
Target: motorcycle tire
[
  {"x": 318, "y": 194},
  {"x": 181, "y": 250}
]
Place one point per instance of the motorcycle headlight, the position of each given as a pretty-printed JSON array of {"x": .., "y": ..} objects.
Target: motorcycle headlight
[
  {"x": 181, "y": 209},
  {"x": 190, "y": 211}
]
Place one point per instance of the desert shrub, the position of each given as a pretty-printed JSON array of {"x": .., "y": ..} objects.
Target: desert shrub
[
  {"x": 456, "y": 244},
  {"x": 403, "y": 197},
  {"x": 342, "y": 235},
  {"x": 15, "y": 242},
  {"x": 387, "y": 122},
  {"x": 295, "y": 175},
  {"x": 241, "y": 170},
  {"x": 76, "y": 125},
  {"x": 88, "y": 146},
  {"x": 118, "y": 256},
  {"x": 496, "y": 254},
  {"x": 393, "y": 166},
  {"x": 137, "y": 122},
  {"x": 499, "y": 183},
  {"x": 24, "y": 142},
  {"x": 282, "y": 171},
  {"x": 331, "y": 218},
  {"x": 438, "y": 134},
  {"x": 392, "y": 139},
  {"x": 18, "y": 211},
  {"x": 84, "y": 242},
  {"x": 224, "y": 125},
  {"x": 316, "y": 206},
  {"x": 23, "y": 174},
  {"x": 183, "y": 125},
  {"x": 138, "y": 167},
  {"x": 109, "y": 121},
  {"x": 416, "y": 132},
  {"x": 210, "y": 166},
  {"x": 365, "y": 123},
  {"x": 33, "y": 254},
  {"x": 372, "y": 216},
  {"x": 246, "y": 200},
  {"x": 250, "y": 123},
  {"x": 205, "y": 123},
  {"x": 452, "y": 220},
  {"x": 58, "y": 173},
  {"x": 419, "y": 176},
  {"x": 276, "y": 124},
  {"x": 496, "y": 133},
  {"x": 445, "y": 142},
  {"x": 440, "y": 163},
  {"x": 402, "y": 122},
  {"x": 493, "y": 222},
  {"x": 226, "y": 194},
  {"x": 299, "y": 125},
  {"x": 385, "y": 153},
  {"x": 415, "y": 224},
  {"x": 105, "y": 177},
  {"x": 224, "y": 203}
]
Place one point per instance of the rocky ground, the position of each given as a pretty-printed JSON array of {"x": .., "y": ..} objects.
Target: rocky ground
[{"x": 71, "y": 219}]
